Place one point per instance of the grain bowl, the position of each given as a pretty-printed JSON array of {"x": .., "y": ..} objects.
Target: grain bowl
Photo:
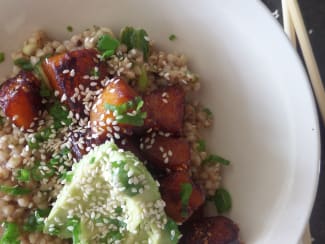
[{"x": 244, "y": 79}]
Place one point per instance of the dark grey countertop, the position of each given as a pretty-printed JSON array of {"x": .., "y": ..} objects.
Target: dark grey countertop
[{"x": 314, "y": 14}]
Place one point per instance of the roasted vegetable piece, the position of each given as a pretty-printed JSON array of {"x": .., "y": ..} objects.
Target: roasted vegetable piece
[
  {"x": 174, "y": 189},
  {"x": 72, "y": 73},
  {"x": 212, "y": 230},
  {"x": 166, "y": 153},
  {"x": 165, "y": 109},
  {"x": 117, "y": 102},
  {"x": 130, "y": 144},
  {"x": 20, "y": 99}
]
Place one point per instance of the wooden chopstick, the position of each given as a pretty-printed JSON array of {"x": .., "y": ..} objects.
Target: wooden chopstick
[
  {"x": 287, "y": 24},
  {"x": 296, "y": 18}
]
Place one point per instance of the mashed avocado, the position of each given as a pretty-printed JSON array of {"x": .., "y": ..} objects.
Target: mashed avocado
[{"x": 111, "y": 198}]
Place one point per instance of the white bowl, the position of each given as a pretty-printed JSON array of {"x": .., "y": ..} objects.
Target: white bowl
[{"x": 265, "y": 117}]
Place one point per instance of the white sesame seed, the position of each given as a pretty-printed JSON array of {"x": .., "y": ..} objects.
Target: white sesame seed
[
  {"x": 15, "y": 117},
  {"x": 66, "y": 71},
  {"x": 63, "y": 98},
  {"x": 56, "y": 93},
  {"x": 72, "y": 73},
  {"x": 70, "y": 228}
]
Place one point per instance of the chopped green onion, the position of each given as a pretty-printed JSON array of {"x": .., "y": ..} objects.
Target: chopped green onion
[
  {"x": 118, "y": 210},
  {"x": 126, "y": 36},
  {"x": 186, "y": 192},
  {"x": 92, "y": 160},
  {"x": 201, "y": 145},
  {"x": 143, "y": 81},
  {"x": 222, "y": 200},
  {"x": 107, "y": 45},
  {"x": 135, "y": 105},
  {"x": 208, "y": 112},
  {"x": 38, "y": 172},
  {"x": 60, "y": 115},
  {"x": 54, "y": 231},
  {"x": 40, "y": 74},
  {"x": 40, "y": 137},
  {"x": 10, "y": 233},
  {"x": 44, "y": 90},
  {"x": 113, "y": 236},
  {"x": 94, "y": 72},
  {"x": 124, "y": 179},
  {"x": 137, "y": 39},
  {"x": 35, "y": 221},
  {"x": 75, "y": 224},
  {"x": 76, "y": 234},
  {"x": 69, "y": 28},
  {"x": 2, "y": 120},
  {"x": 33, "y": 145},
  {"x": 2, "y": 57},
  {"x": 172, "y": 228},
  {"x": 137, "y": 120},
  {"x": 67, "y": 176},
  {"x": 64, "y": 151},
  {"x": 24, "y": 64},
  {"x": 107, "y": 54},
  {"x": 172, "y": 37},
  {"x": 58, "y": 160},
  {"x": 213, "y": 158},
  {"x": 14, "y": 190},
  {"x": 23, "y": 175}
]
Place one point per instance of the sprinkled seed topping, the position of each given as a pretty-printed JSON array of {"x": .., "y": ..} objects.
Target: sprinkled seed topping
[{"x": 72, "y": 73}]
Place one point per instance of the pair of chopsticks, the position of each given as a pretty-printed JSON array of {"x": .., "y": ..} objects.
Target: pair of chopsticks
[{"x": 294, "y": 26}]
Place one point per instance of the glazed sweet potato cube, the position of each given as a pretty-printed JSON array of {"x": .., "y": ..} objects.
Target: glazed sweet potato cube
[
  {"x": 130, "y": 144},
  {"x": 74, "y": 74},
  {"x": 116, "y": 111},
  {"x": 166, "y": 153},
  {"x": 165, "y": 109},
  {"x": 20, "y": 99},
  {"x": 211, "y": 230},
  {"x": 173, "y": 189}
]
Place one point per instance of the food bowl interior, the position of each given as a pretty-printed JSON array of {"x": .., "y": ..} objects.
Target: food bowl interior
[{"x": 265, "y": 117}]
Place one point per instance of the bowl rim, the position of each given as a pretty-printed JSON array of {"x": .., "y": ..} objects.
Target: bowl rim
[{"x": 316, "y": 115}]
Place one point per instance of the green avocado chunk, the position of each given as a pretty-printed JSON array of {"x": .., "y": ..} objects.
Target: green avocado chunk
[{"x": 111, "y": 198}]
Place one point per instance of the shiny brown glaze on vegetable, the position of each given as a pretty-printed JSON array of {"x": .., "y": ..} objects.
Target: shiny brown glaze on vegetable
[
  {"x": 165, "y": 109},
  {"x": 73, "y": 72},
  {"x": 20, "y": 99},
  {"x": 211, "y": 230},
  {"x": 170, "y": 189}
]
